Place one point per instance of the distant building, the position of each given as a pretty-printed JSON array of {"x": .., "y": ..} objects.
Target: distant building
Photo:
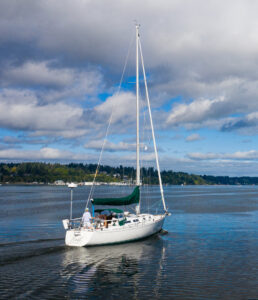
[
  {"x": 116, "y": 175},
  {"x": 88, "y": 183},
  {"x": 59, "y": 182}
]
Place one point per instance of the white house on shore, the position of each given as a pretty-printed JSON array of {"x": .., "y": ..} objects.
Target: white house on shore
[{"x": 59, "y": 182}]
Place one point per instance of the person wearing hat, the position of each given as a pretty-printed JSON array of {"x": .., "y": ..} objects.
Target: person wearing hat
[{"x": 86, "y": 218}]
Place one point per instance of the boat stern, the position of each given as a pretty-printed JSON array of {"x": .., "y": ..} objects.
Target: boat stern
[{"x": 78, "y": 238}]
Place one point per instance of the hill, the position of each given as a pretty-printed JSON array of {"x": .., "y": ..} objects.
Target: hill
[{"x": 49, "y": 173}]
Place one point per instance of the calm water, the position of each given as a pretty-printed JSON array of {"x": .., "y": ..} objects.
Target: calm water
[{"x": 209, "y": 252}]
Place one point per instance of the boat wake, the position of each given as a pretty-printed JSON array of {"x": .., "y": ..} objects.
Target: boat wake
[
  {"x": 28, "y": 242},
  {"x": 17, "y": 251}
]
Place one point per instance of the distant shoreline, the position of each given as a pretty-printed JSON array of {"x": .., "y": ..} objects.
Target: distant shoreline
[
  {"x": 35, "y": 173},
  {"x": 110, "y": 184}
]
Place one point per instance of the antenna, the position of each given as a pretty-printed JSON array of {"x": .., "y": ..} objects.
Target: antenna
[{"x": 137, "y": 25}]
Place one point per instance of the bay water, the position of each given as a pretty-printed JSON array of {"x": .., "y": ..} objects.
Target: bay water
[{"x": 209, "y": 249}]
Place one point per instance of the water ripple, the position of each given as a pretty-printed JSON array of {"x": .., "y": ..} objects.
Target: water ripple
[{"x": 209, "y": 249}]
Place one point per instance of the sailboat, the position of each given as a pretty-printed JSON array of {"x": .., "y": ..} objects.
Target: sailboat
[{"x": 113, "y": 225}]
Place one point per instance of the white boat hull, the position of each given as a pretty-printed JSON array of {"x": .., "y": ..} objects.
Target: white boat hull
[{"x": 146, "y": 225}]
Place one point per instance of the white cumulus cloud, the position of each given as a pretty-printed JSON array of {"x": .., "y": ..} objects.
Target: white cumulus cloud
[
  {"x": 239, "y": 155},
  {"x": 45, "y": 153},
  {"x": 109, "y": 146},
  {"x": 193, "y": 137},
  {"x": 37, "y": 73},
  {"x": 20, "y": 110}
]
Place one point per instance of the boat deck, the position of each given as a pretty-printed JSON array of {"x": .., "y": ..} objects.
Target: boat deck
[{"x": 131, "y": 221}]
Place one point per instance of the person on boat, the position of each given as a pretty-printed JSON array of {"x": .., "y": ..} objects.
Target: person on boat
[{"x": 86, "y": 219}]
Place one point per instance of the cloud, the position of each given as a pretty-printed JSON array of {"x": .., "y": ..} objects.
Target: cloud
[
  {"x": 85, "y": 85},
  {"x": 245, "y": 141},
  {"x": 200, "y": 44},
  {"x": 193, "y": 137},
  {"x": 199, "y": 112},
  {"x": 20, "y": 110},
  {"x": 109, "y": 146},
  {"x": 23, "y": 110},
  {"x": 122, "y": 106},
  {"x": 54, "y": 154},
  {"x": 195, "y": 112},
  {"x": 217, "y": 167},
  {"x": 10, "y": 140},
  {"x": 248, "y": 155},
  {"x": 3, "y": 146},
  {"x": 56, "y": 58},
  {"x": 52, "y": 83},
  {"x": 13, "y": 140},
  {"x": 149, "y": 157},
  {"x": 37, "y": 74},
  {"x": 243, "y": 124},
  {"x": 200, "y": 61},
  {"x": 45, "y": 154},
  {"x": 226, "y": 113},
  {"x": 72, "y": 133},
  {"x": 116, "y": 147}
]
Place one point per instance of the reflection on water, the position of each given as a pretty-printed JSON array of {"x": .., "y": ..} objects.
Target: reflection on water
[{"x": 114, "y": 270}]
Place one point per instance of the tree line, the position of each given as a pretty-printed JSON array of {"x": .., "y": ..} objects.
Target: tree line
[{"x": 30, "y": 172}]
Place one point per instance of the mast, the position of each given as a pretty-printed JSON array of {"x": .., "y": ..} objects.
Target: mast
[
  {"x": 138, "y": 182},
  {"x": 137, "y": 109},
  {"x": 152, "y": 130}
]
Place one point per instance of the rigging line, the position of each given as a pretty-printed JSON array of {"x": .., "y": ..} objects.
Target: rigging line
[
  {"x": 143, "y": 163},
  {"x": 152, "y": 129},
  {"x": 142, "y": 148},
  {"x": 156, "y": 204},
  {"x": 109, "y": 123},
  {"x": 141, "y": 139},
  {"x": 149, "y": 181}
]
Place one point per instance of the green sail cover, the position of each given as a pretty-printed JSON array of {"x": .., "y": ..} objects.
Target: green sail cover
[{"x": 130, "y": 199}]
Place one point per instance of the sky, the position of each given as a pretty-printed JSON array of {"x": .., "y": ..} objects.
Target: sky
[{"x": 61, "y": 63}]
